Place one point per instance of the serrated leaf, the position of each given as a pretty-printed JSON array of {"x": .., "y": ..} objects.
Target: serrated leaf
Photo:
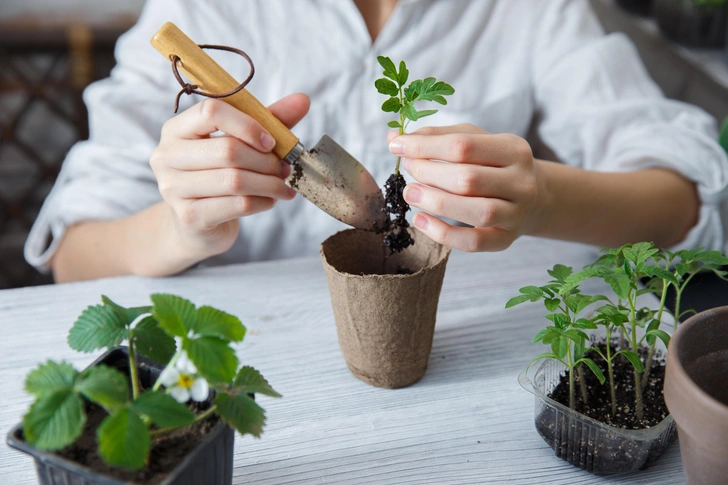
[
  {"x": 392, "y": 105},
  {"x": 712, "y": 257},
  {"x": 403, "y": 73},
  {"x": 517, "y": 300},
  {"x": 55, "y": 420},
  {"x": 661, "y": 334},
  {"x": 249, "y": 380},
  {"x": 153, "y": 342},
  {"x": 576, "y": 279},
  {"x": 385, "y": 86},
  {"x": 163, "y": 410},
  {"x": 411, "y": 91},
  {"x": 595, "y": 369},
  {"x": 127, "y": 315},
  {"x": 105, "y": 386},
  {"x": 124, "y": 440},
  {"x": 620, "y": 283},
  {"x": 552, "y": 304},
  {"x": 633, "y": 358},
  {"x": 560, "y": 347},
  {"x": 410, "y": 112},
  {"x": 98, "y": 327},
  {"x": 389, "y": 68},
  {"x": 656, "y": 271},
  {"x": 533, "y": 292},
  {"x": 212, "y": 322},
  {"x": 560, "y": 272},
  {"x": 175, "y": 315},
  {"x": 241, "y": 412},
  {"x": 394, "y": 124},
  {"x": 560, "y": 320},
  {"x": 50, "y": 377},
  {"x": 213, "y": 357}
]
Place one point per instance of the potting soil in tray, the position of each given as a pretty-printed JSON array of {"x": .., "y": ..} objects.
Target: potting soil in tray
[{"x": 168, "y": 449}]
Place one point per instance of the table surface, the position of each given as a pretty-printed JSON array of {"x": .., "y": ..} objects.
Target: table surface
[{"x": 466, "y": 421}]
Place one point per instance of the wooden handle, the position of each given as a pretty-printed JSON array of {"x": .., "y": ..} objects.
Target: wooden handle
[{"x": 202, "y": 70}]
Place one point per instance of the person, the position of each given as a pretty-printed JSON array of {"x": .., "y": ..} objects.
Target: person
[{"x": 634, "y": 166}]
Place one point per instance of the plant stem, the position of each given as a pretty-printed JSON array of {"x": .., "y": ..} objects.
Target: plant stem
[
  {"x": 679, "y": 290},
  {"x": 582, "y": 385},
  {"x": 571, "y": 380},
  {"x": 610, "y": 372},
  {"x": 651, "y": 355},
  {"x": 171, "y": 362},
  {"x": 637, "y": 377},
  {"x": 133, "y": 372},
  {"x": 200, "y": 417}
]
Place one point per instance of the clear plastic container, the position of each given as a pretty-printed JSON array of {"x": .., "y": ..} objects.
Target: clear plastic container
[{"x": 586, "y": 443}]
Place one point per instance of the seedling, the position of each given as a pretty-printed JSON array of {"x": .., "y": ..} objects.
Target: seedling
[
  {"x": 402, "y": 99},
  {"x": 195, "y": 344}
]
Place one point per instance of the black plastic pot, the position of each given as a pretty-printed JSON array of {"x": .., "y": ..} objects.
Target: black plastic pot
[
  {"x": 640, "y": 7},
  {"x": 209, "y": 463},
  {"x": 691, "y": 24}
]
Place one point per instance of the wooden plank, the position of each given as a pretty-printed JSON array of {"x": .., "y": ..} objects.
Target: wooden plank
[{"x": 466, "y": 421}]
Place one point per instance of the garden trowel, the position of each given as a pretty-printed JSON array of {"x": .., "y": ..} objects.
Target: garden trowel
[{"x": 326, "y": 174}]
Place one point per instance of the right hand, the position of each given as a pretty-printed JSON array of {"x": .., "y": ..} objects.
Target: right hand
[{"x": 210, "y": 182}]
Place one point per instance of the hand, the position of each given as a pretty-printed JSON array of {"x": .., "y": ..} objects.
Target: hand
[
  {"x": 487, "y": 181},
  {"x": 210, "y": 182}
]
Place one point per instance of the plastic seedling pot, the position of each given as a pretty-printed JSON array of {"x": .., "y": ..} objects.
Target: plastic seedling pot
[
  {"x": 209, "y": 463},
  {"x": 585, "y": 442}
]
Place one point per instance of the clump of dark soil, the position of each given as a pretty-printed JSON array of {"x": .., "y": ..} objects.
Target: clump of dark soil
[
  {"x": 396, "y": 236},
  {"x": 297, "y": 170},
  {"x": 599, "y": 403},
  {"x": 167, "y": 451}
]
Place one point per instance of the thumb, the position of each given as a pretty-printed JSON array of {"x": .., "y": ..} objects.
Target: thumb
[{"x": 291, "y": 109}]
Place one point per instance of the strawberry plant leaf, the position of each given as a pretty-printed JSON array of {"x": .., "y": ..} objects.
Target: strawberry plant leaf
[
  {"x": 55, "y": 420},
  {"x": 127, "y": 315},
  {"x": 105, "y": 386},
  {"x": 241, "y": 412},
  {"x": 50, "y": 377},
  {"x": 212, "y": 322},
  {"x": 175, "y": 315},
  {"x": 124, "y": 440},
  {"x": 98, "y": 327},
  {"x": 163, "y": 409},
  {"x": 249, "y": 380},
  {"x": 214, "y": 358},
  {"x": 153, "y": 342}
]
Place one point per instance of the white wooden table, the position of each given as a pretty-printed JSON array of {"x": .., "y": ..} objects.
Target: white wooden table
[{"x": 467, "y": 421}]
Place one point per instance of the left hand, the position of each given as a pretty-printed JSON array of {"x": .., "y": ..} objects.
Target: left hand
[{"x": 487, "y": 181}]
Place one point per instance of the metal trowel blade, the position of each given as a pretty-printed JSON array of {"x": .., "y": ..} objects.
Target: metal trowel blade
[{"x": 338, "y": 184}]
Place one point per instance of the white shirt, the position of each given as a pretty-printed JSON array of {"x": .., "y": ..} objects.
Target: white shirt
[{"x": 509, "y": 61}]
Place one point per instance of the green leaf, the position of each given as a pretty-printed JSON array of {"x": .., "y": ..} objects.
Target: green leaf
[
  {"x": 213, "y": 357},
  {"x": 540, "y": 335},
  {"x": 153, "y": 342},
  {"x": 425, "y": 112},
  {"x": 394, "y": 124},
  {"x": 576, "y": 336},
  {"x": 403, "y": 73},
  {"x": 389, "y": 69},
  {"x": 560, "y": 272},
  {"x": 98, "y": 327},
  {"x": 249, "y": 380},
  {"x": 411, "y": 91},
  {"x": 560, "y": 320},
  {"x": 656, "y": 271},
  {"x": 547, "y": 355},
  {"x": 212, "y": 322},
  {"x": 575, "y": 279},
  {"x": 640, "y": 252},
  {"x": 431, "y": 90},
  {"x": 163, "y": 410},
  {"x": 654, "y": 325},
  {"x": 241, "y": 412},
  {"x": 633, "y": 358},
  {"x": 175, "y": 315},
  {"x": 552, "y": 304},
  {"x": 410, "y": 112},
  {"x": 585, "y": 324},
  {"x": 392, "y": 105},
  {"x": 723, "y": 138},
  {"x": 661, "y": 334},
  {"x": 620, "y": 283},
  {"x": 712, "y": 257},
  {"x": 124, "y": 440},
  {"x": 105, "y": 386},
  {"x": 385, "y": 86},
  {"x": 517, "y": 300},
  {"x": 55, "y": 420},
  {"x": 560, "y": 347},
  {"x": 127, "y": 315},
  {"x": 533, "y": 292},
  {"x": 579, "y": 350},
  {"x": 594, "y": 368},
  {"x": 50, "y": 377}
]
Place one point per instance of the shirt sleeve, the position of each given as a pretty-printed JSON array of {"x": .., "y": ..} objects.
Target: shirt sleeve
[
  {"x": 108, "y": 176},
  {"x": 600, "y": 110}
]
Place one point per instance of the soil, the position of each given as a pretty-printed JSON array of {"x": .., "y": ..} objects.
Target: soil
[
  {"x": 396, "y": 236},
  {"x": 297, "y": 170},
  {"x": 167, "y": 451}
]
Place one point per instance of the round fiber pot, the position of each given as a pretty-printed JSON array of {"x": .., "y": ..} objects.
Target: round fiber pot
[
  {"x": 696, "y": 392},
  {"x": 384, "y": 305}
]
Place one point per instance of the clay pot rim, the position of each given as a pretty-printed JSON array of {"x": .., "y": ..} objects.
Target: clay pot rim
[
  {"x": 681, "y": 378},
  {"x": 442, "y": 261}
]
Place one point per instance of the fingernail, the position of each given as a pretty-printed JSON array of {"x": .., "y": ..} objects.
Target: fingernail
[
  {"x": 412, "y": 194},
  {"x": 267, "y": 141},
  {"x": 396, "y": 147},
  {"x": 407, "y": 163},
  {"x": 291, "y": 193},
  {"x": 421, "y": 222}
]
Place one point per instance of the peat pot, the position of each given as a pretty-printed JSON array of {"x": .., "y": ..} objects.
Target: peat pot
[
  {"x": 585, "y": 442},
  {"x": 209, "y": 463},
  {"x": 696, "y": 392},
  {"x": 691, "y": 22},
  {"x": 384, "y": 305}
]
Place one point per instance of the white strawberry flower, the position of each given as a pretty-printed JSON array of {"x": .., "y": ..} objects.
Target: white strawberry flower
[{"x": 182, "y": 381}]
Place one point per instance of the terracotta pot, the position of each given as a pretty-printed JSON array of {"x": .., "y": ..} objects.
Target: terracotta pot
[
  {"x": 384, "y": 305},
  {"x": 696, "y": 392}
]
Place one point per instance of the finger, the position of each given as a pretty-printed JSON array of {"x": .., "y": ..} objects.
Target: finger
[
  {"x": 476, "y": 211},
  {"x": 213, "y": 211},
  {"x": 494, "y": 150},
  {"x": 222, "y": 182},
  {"x": 291, "y": 109},
  {"x": 440, "y": 130},
  {"x": 463, "y": 238},
  {"x": 219, "y": 152},
  {"x": 463, "y": 178}
]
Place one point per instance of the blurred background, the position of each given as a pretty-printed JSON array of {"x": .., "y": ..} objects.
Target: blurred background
[{"x": 51, "y": 49}]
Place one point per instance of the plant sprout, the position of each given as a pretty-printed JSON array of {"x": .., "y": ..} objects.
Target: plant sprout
[
  {"x": 195, "y": 343},
  {"x": 402, "y": 99}
]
